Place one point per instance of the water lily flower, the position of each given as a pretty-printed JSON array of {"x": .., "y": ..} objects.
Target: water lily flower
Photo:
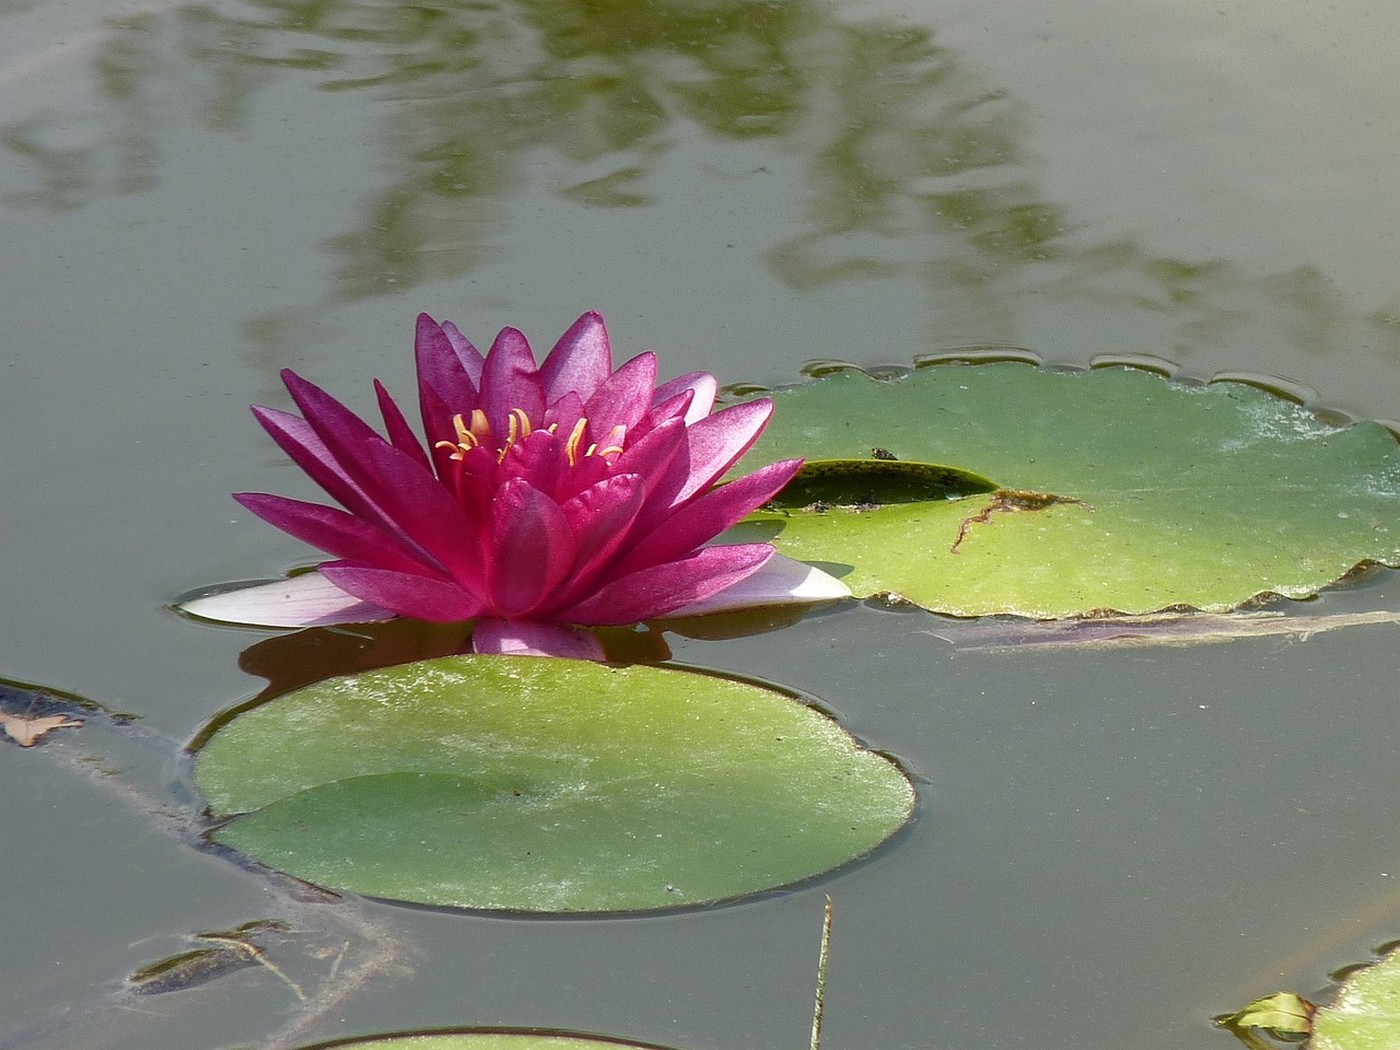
[{"x": 547, "y": 498}]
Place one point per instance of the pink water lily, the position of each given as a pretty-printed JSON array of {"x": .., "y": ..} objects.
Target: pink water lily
[{"x": 547, "y": 498}]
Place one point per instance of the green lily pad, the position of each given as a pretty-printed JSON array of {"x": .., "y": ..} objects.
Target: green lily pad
[
  {"x": 485, "y": 1039},
  {"x": 544, "y": 785},
  {"x": 1366, "y": 1012},
  {"x": 1119, "y": 490}
]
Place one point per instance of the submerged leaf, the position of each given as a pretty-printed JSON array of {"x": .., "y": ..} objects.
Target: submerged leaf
[
  {"x": 227, "y": 950},
  {"x": 546, "y": 786},
  {"x": 1119, "y": 491},
  {"x": 26, "y": 730}
]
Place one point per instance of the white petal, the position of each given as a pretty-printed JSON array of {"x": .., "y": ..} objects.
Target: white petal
[
  {"x": 781, "y": 581},
  {"x": 705, "y": 387},
  {"x": 309, "y": 600},
  {"x": 510, "y": 638}
]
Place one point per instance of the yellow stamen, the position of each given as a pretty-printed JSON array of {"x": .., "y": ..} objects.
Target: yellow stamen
[
  {"x": 465, "y": 437},
  {"x": 466, "y": 440},
  {"x": 575, "y": 439},
  {"x": 519, "y": 430},
  {"x": 616, "y": 437},
  {"x": 477, "y": 434},
  {"x": 481, "y": 426}
]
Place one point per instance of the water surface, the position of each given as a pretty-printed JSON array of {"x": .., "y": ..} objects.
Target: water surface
[{"x": 1112, "y": 846}]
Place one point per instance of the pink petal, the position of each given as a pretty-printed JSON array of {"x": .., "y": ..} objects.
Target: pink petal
[
  {"x": 510, "y": 380},
  {"x": 563, "y": 413},
  {"x": 580, "y": 362},
  {"x": 346, "y": 437},
  {"x": 471, "y": 358},
  {"x": 588, "y": 471},
  {"x": 671, "y": 408},
  {"x": 309, "y": 600},
  {"x": 299, "y": 441},
  {"x": 474, "y": 479},
  {"x": 540, "y": 459},
  {"x": 451, "y": 369},
  {"x": 438, "y": 426},
  {"x": 624, "y": 396},
  {"x": 427, "y": 515},
  {"x": 519, "y": 638},
  {"x": 533, "y": 548},
  {"x": 661, "y": 458},
  {"x": 401, "y": 435},
  {"x": 662, "y": 589},
  {"x": 706, "y": 516},
  {"x": 718, "y": 441},
  {"x": 781, "y": 581},
  {"x": 340, "y": 430},
  {"x": 600, "y": 517},
  {"x": 439, "y": 601},
  {"x": 704, "y": 386},
  {"x": 331, "y": 530}
]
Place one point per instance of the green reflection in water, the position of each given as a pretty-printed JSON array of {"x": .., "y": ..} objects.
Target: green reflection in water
[{"x": 906, "y": 162}]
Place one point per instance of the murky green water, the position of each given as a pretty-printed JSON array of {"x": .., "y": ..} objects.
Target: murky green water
[{"x": 1112, "y": 846}]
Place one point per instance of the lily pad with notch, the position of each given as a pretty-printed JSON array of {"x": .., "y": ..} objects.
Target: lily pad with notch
[{"x": 1117, "y": 490}]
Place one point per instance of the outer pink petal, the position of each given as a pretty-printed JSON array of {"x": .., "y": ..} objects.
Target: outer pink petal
[
  {"x": 519, "y": 638},
  {"x": 661, "y": 458},
  {"x": 718, "y": 441},
  {"x": 677, "y": 407},
  {"x": 296, "y": 437},
  {"x": 310, "y": 600},
  {"x": 781, "y": 581},
  {"x": 471, "y": 358},
  {"x": 705, "y": 387},
  {"x": 532, "y": 548},
  {"x": 420, "y": 597},
  {"x": 623, "y": 398},
  {"x": 510, "y": 380},
  {"x": 580, "y": 362},
  {"x": 401, "y": 435},
  {"x": 705, "y": 517},
  {"x": 342, "y": 432},
  {"x": 350, "y": 442},
  {"x": 332, "y": 530},
  {"x": 451, "y": 371},
  {"x": 662, "y": 589}
]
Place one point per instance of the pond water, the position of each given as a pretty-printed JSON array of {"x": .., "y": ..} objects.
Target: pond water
[{"x": 1112, "y": 846}]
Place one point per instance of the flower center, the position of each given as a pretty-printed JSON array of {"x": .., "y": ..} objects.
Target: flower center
[{"x": 477, "y": 434}]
